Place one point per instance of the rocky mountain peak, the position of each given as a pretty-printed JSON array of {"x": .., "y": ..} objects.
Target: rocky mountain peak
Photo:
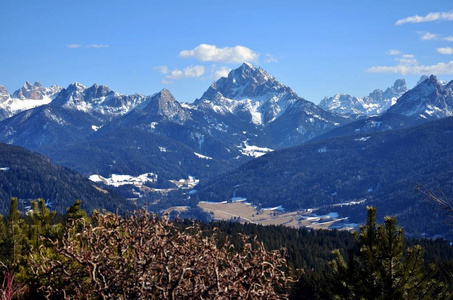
[
  {"x": 422, "y": 78},
  {"x": 247, "y": 82},
  {"x": 35, "y": 91},
  {"x": 97, "y": 91},
  {"x": 76, "y": 86},
  {"x": 376, "y": 103},
  {"x": 429, "y": 99},
  {"x": 400, "y": 86},
  {"x": 3, "y": 94},
  {"x": 164, "y": 104}
]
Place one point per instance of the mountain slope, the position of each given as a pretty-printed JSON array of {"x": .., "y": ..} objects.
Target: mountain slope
[
  {"x": 163, "y": 137},
  {"x": 29, "y": 176},
  {"x": 47, "y": 127},
  {"x": 380, "y": 167},
  {"x": 257, "y": 98}
]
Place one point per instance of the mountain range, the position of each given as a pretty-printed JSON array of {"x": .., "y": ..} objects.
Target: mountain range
[
  {"x": 238, "y": 118},
  {"x": 245, "y": 115},
  {"x": 376, "y": 103}
]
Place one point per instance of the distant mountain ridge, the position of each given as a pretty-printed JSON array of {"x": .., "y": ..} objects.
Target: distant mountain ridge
[
  {"x": 27, "y": 97},
  {"x": 239, "y": 117},
  {"x": 429, "y": 100},
  {"x": 98, "y": 100},
  {"x": 376, "y": 103}
]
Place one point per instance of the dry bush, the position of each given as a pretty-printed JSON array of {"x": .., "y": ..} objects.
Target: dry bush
[{"x": 141, "y": 256}]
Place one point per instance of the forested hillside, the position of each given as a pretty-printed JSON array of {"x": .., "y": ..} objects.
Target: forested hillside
[
  {"x": 30, "y": 176},
  {"x": 382, "y": 168}
]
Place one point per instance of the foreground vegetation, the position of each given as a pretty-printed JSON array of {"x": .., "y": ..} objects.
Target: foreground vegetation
[{"x": 141, "y": 256}]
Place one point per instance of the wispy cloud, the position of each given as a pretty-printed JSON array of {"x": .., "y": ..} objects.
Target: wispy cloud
[
  {"x": 97, "y": 46},
  {"x": 445, "y": 50},
  {"x": 440, "y": 68},
  {"x": 407, "y": 59},
  {"x": 448, "y": 38},
  {"x": 161, "y": 69},
  {"x": 431, "y": 17},
  {"x": 427, "y": 36},
  {"x": 73, "y": 46},
  {"x": 187, "y": 72},
  {"x": 269, "y": 58},
  {"x": 393, "y": 52},
  {"x": 408, "y": 64},
  {"x": 205, "y": 52}
]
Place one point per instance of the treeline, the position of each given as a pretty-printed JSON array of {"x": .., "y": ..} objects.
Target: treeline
[{"x": 140, "y": 256}]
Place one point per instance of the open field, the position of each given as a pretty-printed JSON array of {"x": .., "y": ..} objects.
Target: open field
[{"x": 244, "y": 212}]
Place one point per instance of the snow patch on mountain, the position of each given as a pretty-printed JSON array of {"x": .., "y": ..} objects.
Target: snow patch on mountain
[
  {"x": 119, "y": 180},
  {"x": 254, "y": 151},
  {"x": 202, "y": 156}
]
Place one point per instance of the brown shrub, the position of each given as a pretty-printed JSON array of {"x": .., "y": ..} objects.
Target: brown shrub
[{"x": 142, "y": 256}]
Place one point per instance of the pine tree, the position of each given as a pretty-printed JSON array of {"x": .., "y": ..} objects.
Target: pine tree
[
  {"x": 41, "y": 222},
  {"x": 12, "y": 241},
  {"x": 382, "y": 267}
]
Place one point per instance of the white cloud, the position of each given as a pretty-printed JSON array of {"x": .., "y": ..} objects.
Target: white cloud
[
  {"x": 97, "y": 46},
  {"x": 393, "y": 52},
  {"x": 72, "y": 46},
  {"x": 448, "y": 38},
  {"x": 270, "y": 58},
  {"x": 161, "y": 69},
  {"x": 427, "y": 36},
  {"x": 187, "y": 72},
  {"x": 431, "y": 17},
  {"x": 446, "y": 50},
  {"x": 440, "y": 68},
  {"x": 220, "y": 72},
  {"x": 407, "y": 60},
  {"x": 205, "y": 52}
]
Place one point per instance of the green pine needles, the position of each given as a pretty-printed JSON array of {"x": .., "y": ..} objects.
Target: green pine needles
[{"x": 382, "y": 267}]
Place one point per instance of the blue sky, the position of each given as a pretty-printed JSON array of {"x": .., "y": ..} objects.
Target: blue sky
[{"x": 318, "y": 48}]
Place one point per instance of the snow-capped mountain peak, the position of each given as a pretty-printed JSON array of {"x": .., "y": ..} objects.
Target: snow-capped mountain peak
[
  {"x": 249, "y": 93},
  {"x": 429, "y": 99},
  {"x": 27, "y": 97},
  {"x": 36, "y": 91},
  {"x": 376, "y": 103},
  {"x": 3, "y": 94},
  {"x": 247, "y": 82},
  {"x": 98, "y": 100}
]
